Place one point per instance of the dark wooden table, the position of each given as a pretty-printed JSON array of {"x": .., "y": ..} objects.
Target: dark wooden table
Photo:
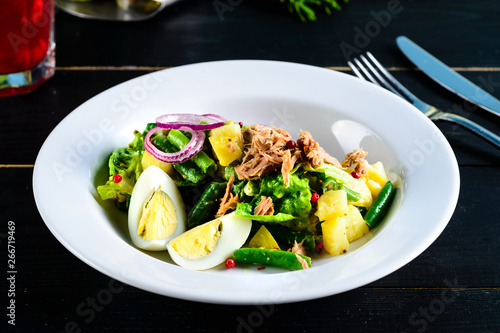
[{"x": 453, "y": 286}]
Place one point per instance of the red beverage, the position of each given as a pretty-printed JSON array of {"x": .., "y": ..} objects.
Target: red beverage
[{"x": 26, "y": 45}]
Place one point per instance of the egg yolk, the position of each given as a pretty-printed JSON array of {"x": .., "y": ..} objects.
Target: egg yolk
[
  {"x": 159, "y": 217},
  {"x": 199, "y": 241}
]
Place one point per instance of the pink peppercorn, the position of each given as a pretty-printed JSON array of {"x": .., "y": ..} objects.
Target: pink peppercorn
[
  {"x": 117, "y": 178},
  {"x": 314, "y": 197},
  {"x": 230, "y": 263}
]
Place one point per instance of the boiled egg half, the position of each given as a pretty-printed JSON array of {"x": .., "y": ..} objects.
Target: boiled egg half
[
  {"x": 211, "y": 243},
  {"x": 156, "y": 211}
]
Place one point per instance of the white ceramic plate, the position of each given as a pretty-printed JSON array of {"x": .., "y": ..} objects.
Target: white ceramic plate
[{"x": 340, "y": 111}]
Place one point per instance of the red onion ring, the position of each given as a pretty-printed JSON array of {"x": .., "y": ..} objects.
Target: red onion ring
[
  {"x": 187, "y": 152},
  {"x": 177, "y": 120},
  {"x": 216, "y": 116}
]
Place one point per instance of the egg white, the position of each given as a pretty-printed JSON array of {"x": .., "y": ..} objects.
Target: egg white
[
  {"x": 235, "y": 231},
  {"x": 149, "y": 181}
]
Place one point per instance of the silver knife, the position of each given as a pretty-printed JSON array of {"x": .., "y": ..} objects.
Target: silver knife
[{"x": 447, "y": 77}]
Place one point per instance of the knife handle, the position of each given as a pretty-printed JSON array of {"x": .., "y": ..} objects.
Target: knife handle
[{"x": 472, "y": 126}]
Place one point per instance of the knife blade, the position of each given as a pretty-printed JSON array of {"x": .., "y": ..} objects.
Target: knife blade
[{"x": 447, "y": 77}]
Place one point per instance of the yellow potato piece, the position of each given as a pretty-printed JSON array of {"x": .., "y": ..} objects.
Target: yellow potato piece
[
  {"x": 148, "y": 160},
  {"x": 227, "y": 143},
  {"x": 263, "y": 239},
  {"x": 355, "y": 225},
  {"x": 334, "y": 236},
  {"x": 374, "y": 187},
  {"x": 376, "y": 172},
  {"x": 360, "y": 186},
  {"x": 331, "y": 205}
]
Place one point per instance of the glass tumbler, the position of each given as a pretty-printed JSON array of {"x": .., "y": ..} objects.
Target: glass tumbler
[{"x": 27, "y": 46}]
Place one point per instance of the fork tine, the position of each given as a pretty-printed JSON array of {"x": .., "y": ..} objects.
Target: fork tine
[
  {"x": 366, "y": 72},
  {"x": 355, "y": 70},
  {"x": 430, "y": 111},
  {"x": 382, "y": 76},
  {"x": 392, "y": 79},
  {"x": 382, "y": 80}
]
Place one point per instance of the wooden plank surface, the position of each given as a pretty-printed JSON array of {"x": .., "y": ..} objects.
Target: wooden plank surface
[{"x": 191, "y": 31}]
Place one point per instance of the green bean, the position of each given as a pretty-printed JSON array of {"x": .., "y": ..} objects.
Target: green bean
[
  {"x": 374, "y": 214},
  {"x": 206, "y": 208},
  {"x": 188, "y": 169},
  {"x": 362, "y": 210},
  {"x": 328, "y": 183},
  {"x": 352, "y": 195},
  {"x": 202, "y": 160},
  {"x": 270, "y": 257}
]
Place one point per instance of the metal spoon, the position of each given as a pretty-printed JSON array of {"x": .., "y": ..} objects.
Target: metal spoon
[{"x": 109, "y": 10}]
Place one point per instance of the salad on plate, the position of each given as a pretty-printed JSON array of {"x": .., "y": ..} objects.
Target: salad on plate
[{"x": 213, "y": 191}]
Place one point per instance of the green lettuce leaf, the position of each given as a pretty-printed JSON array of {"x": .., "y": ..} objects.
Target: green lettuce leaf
[
  {"x": 297, "y": 199},
  {"x": 340, "y": 176},
  {"x": 245, "y": 209},
  {"x": 120, "y": 160},
  {"x": 292, "y": 204},
  {"x": 122, "y": 157},
  {"x": 138, "y": 143},
  {"x": 123, "y": 190},
  {"x": 328, "y": 177},
  {"x": 126, "y": 162}
]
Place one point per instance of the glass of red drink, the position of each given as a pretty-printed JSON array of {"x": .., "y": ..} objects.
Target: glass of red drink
[{"x": 27, "y": 47}]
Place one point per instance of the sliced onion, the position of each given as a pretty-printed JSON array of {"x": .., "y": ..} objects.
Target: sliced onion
[
  {"x": 177, "y": 120},
  {"x": 216, "y": 116},
  {"x": 187, "y": 152}
]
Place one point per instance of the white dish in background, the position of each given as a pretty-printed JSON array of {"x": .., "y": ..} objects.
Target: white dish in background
[{"x": 340, "y": 111}]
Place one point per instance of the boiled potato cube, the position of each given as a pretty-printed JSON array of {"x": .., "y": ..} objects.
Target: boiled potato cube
[
  {"x": 374, "y": 187},
  {"x": 360, "y": 186},
  {"x": 148, "y": 160},
  {"x": 355, "y": 225},
  {"x": 376, "y": 172},
  {"x": 334, "y": 236},
  {"x": 331, "y": 204},
  {"x": 227, "y": 143},
  {"x": 263, "y": 239}
]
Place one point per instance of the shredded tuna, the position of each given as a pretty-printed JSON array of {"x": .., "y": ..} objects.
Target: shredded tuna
[
  {"x": 257, "y": 163},
  {"x": 287, "y": 166},
  {"x": 229, "y": 201},
  {"x": 289, "y": 158},
  {"x": 314, "y": 154},
  {"x": 356, "y": 158},
  {"x": 265, "y": 206},
  {"x": 302, "y": 261},
  {"x": 265, "y": 153},
  {"x": 298, "y": 248},
  {"x": 266, "y": 137},
  {"x": 331, "y": 160}
]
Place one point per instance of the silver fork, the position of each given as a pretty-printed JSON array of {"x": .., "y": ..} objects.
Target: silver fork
[{"x": 373, "y": 71}]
